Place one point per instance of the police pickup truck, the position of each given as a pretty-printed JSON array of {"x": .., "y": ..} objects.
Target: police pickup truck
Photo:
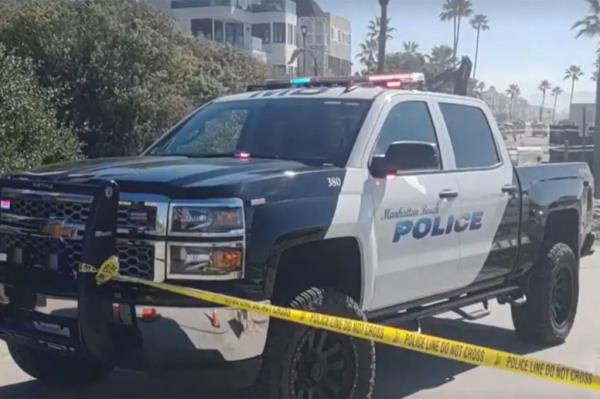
[{"x": 365, "y": 200}]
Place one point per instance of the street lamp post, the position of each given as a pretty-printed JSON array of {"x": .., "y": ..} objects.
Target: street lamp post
[{"x": 304, "y": 30}]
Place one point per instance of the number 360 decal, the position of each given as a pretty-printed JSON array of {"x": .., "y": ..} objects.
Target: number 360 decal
[{"x": 334, "y": 181}]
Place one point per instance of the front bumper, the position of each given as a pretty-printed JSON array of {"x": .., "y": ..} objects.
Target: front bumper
[{"x": 161, "y": 337}]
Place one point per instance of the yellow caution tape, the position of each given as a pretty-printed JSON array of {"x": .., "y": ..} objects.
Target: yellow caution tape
[{"x": 435, "y": 346}]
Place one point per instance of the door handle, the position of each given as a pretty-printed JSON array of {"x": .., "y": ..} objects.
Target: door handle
[
  {"x": 510, "y": 189},
  {"x": 448, "y": 194}
]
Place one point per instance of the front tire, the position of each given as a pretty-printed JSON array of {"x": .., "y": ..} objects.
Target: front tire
[
  {"x": 301, "y": 362},
  {"x": 549, "y": 313},
  {"x": 54, "y": 368}
]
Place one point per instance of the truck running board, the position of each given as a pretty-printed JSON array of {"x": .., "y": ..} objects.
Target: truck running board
[
  {"x": 474, "y": 315},
  {"x": 504, "y": 294}
]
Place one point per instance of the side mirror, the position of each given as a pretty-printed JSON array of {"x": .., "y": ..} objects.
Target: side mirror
[{"x": 402, "y": 156}]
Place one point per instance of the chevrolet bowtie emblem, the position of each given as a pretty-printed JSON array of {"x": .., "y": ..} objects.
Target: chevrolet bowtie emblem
[{"x": 59, "y": 231}]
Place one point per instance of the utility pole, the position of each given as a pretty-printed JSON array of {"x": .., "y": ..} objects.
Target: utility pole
[
  {"x": 596, "y": 164},
  {"x": 304, "y": 30}
]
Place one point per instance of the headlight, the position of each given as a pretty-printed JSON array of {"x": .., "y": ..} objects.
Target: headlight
[
  {"x": 218, "y": 261},
  {"x": 192, "y": 252},
  {"x": 223, "y": 218}
]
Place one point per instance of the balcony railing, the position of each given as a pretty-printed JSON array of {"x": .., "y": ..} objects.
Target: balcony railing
[
  {"x": 249, "y": 5},
  {"x": 273, "y": 5},
  {"x": 175, "y": 4}
]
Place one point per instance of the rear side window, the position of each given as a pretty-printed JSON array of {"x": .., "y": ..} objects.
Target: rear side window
[{"x": 471, "y": 136}]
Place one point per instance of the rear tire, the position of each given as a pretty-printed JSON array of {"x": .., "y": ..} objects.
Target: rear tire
[
  {"x": 54, "y": 368},
  {"x": 549, "y": 313},
  {"x": 300, "y": 361}
]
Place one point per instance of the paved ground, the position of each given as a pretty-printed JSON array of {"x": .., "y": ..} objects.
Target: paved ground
[{"x": 399, "y": 373}]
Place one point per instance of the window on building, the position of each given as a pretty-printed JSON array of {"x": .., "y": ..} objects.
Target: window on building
[
  {"x": 262, "y": 31},
  {"x": 202, "y": 28},
  {"x": 339, "y": 67},
  {"x": 471, "y": 136},
  {"x": 290, "y": 34},
  {"x": 319, "y": 33},
  {"x": 279, "y": 32},
  {"x": 219, "y": 33},
  {"x": 234, "y": 34},
  {"x": 175, "y": 4}
]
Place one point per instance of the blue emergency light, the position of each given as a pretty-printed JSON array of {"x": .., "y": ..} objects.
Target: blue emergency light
[{"x": 300, "y": 81}]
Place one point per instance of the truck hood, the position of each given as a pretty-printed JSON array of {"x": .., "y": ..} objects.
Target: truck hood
[{"x": 181, "y": 177}]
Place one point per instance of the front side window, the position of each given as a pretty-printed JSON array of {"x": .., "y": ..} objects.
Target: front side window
[
  {"x": 407, "y": 121},
  {"x": 313, "y": 131},
  {"x": 471, "y": 136}
]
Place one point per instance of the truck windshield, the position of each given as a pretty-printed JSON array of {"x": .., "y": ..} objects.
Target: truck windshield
[{"x": 313, "y": 131}]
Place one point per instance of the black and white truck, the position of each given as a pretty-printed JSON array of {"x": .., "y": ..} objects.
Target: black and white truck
[{"x": 353, "y": 199}]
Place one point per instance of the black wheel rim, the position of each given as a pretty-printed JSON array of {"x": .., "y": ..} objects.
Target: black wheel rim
[
  {"x": 561, "y": 296},
  {"x": 323, "y": 366}
]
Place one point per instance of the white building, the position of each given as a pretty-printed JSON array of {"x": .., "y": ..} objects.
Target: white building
[
  {"x": 328, "y": 37},
  {"x": 264, "y": 28},
  {"x": 583, "y": 114}
]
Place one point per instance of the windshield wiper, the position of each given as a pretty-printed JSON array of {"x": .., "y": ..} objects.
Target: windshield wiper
[{"x": 240, "y": 155}]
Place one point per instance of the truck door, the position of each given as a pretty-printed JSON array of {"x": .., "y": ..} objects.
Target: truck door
[
  {"x": 489, "y": 193},
  {"x": 417, "y": 249}
]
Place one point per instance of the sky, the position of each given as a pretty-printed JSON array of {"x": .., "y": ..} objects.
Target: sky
[{"x": 528, "y": 40}]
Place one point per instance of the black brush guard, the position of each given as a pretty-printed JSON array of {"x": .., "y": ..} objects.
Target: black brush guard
[{"x": 94, "y": 335}]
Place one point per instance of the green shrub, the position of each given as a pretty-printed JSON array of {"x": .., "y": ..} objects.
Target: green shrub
[
  {"x": 29, "y": 134},
  {"x": 122, "y": 71}
]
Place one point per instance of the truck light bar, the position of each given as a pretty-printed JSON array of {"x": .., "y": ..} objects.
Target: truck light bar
[{"x": 409, "y": 81}]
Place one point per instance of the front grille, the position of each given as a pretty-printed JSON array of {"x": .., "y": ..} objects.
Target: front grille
[
  {"x": 135, "y": 259},
  {"x": 26, "y": 242},
  {"x": 130, "y": 215}
]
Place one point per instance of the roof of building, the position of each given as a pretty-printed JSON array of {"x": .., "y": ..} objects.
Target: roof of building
[{"x": 308, "y": 8}]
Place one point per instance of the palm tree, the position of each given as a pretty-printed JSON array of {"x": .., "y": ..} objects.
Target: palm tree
[
  {"x": 383, "y": 32},
  {"x": 513, "y": 92},
  {"x": 375, "y": 27},
  {"x": 456, "y": 10},
  {"x": 408, "y": 60},
  {"x": 589, "y": 26},
  {"x": 440, "y": 59},
  {"x": 480, "y": 23},
  {"x": 367, "y": 55},
  {"x": 369, "y": 49},
  {"x": 410, "y": 47},
  {"x": 543, "y": 87},
  {"x": 574, "y": 72},
  {"x": 480, "y": 86},
  {"x": 557, "y": 91}
]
